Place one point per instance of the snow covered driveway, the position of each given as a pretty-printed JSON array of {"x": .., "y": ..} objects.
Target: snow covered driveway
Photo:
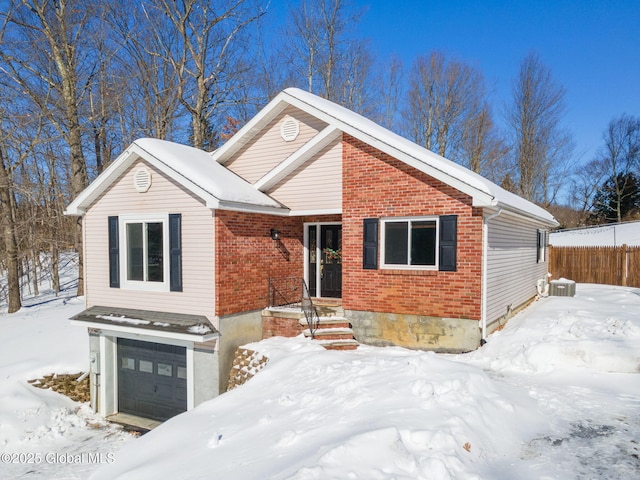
[{"x": 45, "y": 435}]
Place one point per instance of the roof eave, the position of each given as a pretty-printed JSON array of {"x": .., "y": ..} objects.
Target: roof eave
[
  {"x": 106, "y": 327},
  {"x": 551, "y": 222}
]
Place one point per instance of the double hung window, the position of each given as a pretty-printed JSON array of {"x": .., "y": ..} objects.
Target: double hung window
[{"x": 145, "y": 248}]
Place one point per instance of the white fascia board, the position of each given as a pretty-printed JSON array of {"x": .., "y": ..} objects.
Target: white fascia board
[
  {"x": 299, "y": 157},
  {"x": 510, "y": 209},
  {"x": 327, "y": 211},
  {"x": 119, "y": 166},
  {"x": 113, "y": 330},
  {"x": 251, "y": 208},
  {"x": 246, "y": 133},
  {"x": 480, "y": 198}
]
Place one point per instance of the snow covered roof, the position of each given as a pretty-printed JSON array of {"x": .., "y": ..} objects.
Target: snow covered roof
[
  {"x": 192, "y": 168},
  {"x": 484, "y": 192},
  {"x": 612, "y": 235},
  {"x": 221, "y": 188},
  {"x": 173, "y": 325}
]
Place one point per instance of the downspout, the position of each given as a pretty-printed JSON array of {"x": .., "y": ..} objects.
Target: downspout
[{"x": 485, "y": 262}]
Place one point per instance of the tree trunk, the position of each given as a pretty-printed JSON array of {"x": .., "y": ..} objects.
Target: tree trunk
[{"x": 9, "y": 233}]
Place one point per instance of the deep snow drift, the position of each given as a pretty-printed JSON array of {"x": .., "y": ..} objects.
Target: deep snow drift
[
  {"x": 555, "y": 395},
  {"x": 558, "y": 398}
]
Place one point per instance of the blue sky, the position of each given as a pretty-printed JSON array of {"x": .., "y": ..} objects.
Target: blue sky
[{"x": 592, "y": 48}]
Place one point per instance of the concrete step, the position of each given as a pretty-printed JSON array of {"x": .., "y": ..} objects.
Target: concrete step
[
  {"x": 329, "y": 310},
  {"x": 339, "y": 344},
  {"x": 331, "y": 334},
  {"x": 329, "y": 322}
]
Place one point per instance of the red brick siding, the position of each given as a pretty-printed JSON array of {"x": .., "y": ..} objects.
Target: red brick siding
[
  {"x": 246, "y": 257},
  {"x": 377, "y": 185},
  {"x": 281, "y": 327}
]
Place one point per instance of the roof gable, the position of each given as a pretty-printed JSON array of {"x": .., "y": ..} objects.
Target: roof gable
[
  {"x": 192, "y": 168},
  {"x": 483, "y": 192}
]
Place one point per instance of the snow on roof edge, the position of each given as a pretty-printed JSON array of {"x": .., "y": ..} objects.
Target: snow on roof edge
[
  {"x": 220, "y": 182},
  {"x": 447, "y": 167}
]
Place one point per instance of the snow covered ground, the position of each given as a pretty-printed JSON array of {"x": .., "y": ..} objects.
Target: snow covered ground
[
  {"x": 555, "y": 395},
  {"x": 45, "y": 435}
]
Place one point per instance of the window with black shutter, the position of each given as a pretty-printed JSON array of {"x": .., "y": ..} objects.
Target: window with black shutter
[
  {"x": 114, "y": 253},
  {"x": 419, "y": 243},
  {"x": 448, "y": 243},
  {"x": 175, "y": 252},
  {"x": 370, "y": 244}
]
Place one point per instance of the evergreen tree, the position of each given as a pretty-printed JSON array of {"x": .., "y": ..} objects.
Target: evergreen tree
[{"x": 618, "y": 198}]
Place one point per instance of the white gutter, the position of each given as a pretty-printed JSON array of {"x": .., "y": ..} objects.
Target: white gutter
[{"x": 485, "y": 261}]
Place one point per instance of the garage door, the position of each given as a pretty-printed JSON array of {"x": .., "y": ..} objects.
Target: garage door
[{"x": 152, "y": 379}]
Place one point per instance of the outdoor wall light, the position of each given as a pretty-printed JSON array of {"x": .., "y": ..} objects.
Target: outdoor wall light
[{"x": 275, "y": 234}]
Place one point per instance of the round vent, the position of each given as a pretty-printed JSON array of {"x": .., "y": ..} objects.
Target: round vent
[
  {"x": 289, "y": 129},
  {"x": 142, "y": 180}
]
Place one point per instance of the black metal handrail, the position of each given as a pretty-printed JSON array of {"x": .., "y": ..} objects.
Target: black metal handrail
[
  {"x": 309, "y": 310},
  {"x": 284, "y": 291},
  {"x": 293, "y": 292}
]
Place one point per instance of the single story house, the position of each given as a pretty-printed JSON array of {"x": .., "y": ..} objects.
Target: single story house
[{"x": 181, "y": 247}]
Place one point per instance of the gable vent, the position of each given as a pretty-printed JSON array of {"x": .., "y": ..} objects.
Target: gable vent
[
  {"x": 289, "y": 129},
  {"x": 142, "y": 180}
]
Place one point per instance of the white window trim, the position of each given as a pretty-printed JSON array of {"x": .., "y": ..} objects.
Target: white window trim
[
  {"x": 541, "y": 245},
  {"x": 146, "y": 286},
  {"x": 307, "y": 252},
  {"x": 394, "y": 266}
]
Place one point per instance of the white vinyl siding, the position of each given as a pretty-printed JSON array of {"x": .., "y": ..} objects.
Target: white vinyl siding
[
  {"x": 512, "y": 264},
  {"x": 164, "y": 196},
  {"x": 315, "y": 185},
  {"x": 267, "y": 149}
]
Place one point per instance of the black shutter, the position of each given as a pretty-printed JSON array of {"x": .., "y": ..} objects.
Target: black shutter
[
  {"x": 370, "y": 244},
  {"x": 175, "y": 252},
  {"x": 448, "y": 242},
  {"x": 114, "y": 253}
]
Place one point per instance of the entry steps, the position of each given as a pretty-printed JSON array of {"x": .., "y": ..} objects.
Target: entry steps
[{"x": 334, "y": 330}]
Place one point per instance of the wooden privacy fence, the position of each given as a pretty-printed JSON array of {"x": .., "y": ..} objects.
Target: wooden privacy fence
[{"x": 607, "y": 265}]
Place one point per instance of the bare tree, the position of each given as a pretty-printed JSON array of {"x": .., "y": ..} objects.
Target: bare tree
[
  {"x": 541, "y": 148},
  {"x": 9, "y": 235},
  {"x": 326, "y": 55},
  {"x": 206, "y": 56},
  {"x": 146, "y": 77},
  {"x": 390, "y": 81},
  {"x": 447, "y": 111},
  {"x": 483, "y": 149},
  {"x": 45, "y": 55},
  {"x": 619, "y": 159},
  {"x": 584, "y": 185}
]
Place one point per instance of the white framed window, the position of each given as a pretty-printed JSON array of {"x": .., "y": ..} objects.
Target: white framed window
[
  {"x": 410, "y": 243},
  {"x": 144, "y": 247},
  {"x": 542, "y": 243}
]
